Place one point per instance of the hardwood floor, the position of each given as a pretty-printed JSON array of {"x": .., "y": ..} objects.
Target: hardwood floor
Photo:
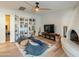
[
  {"x": 55, "y": 52},
  {"x": 10, "y": 49}
]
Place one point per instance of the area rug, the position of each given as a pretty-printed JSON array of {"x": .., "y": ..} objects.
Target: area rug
[{"x": 34, "y": 49}]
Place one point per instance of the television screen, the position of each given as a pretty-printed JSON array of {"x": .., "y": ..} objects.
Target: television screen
[
  {"x": 49, "y": 28},
  {"x": 52, "y": 28},
  {"x": 46, "y": 28}
]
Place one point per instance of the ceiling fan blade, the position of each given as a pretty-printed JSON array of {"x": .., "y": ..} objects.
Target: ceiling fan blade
[
  {"x": 44, "y": 9},
  {"x": 40, "y": 9},
  {"x": 28, "y": 3}
]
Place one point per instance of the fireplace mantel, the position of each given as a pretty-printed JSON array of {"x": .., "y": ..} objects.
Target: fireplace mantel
[{"x": 70, "y": 48}]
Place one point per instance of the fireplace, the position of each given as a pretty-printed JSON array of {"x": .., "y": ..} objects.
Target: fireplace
[
  {"x": 71, "y": 42},
  {"x": 74, "y": 36}
]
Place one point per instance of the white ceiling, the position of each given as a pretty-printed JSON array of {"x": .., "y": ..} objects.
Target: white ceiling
[{"x": 53, "y": 5}]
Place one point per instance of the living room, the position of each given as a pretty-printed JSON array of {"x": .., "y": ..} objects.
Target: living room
[{"x": 26, "y": 21}]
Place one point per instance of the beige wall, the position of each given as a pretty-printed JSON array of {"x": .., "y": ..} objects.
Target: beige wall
[
  {"x": 53, "y": 18},
  {"x": 69, "y": 18}
]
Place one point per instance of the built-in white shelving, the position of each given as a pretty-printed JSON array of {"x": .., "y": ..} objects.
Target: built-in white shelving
[{"x": 24, "y": 26}]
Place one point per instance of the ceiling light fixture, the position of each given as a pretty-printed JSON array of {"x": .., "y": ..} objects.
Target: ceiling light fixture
[{"x": 37, "y": 7}]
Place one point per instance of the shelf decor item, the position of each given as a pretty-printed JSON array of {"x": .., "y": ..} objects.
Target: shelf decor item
[
  {"x": 21, "y": 19},
  {"x": 26, "y": 19},
  {"x": 26, "y": 25},
  {"x": 39, "y": 33},
  {"x": 33, "y": 20},
  {"x": 30, "y": 19}
]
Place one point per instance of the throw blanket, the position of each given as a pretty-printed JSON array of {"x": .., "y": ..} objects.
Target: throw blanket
[
  {"x": 38, "y": 41},
  {"x": 36, "y": 50}
]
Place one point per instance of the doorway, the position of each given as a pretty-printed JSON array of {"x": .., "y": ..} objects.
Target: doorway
[{"x": 7, "y": 28}]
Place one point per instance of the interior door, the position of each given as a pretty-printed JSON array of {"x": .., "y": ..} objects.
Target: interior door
[{"x": 7, "y": 26}]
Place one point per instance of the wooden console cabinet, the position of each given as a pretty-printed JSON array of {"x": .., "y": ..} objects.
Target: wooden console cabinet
[{"x": 49, "y": 35}]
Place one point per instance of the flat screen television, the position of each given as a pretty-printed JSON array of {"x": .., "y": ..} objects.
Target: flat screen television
[{"x": 49, "y": 28}]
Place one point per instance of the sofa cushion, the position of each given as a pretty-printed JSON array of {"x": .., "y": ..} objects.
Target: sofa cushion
[{"x": 24, "y": 42}]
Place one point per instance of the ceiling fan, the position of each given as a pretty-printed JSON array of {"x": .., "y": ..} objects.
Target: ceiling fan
[{"x": 36, "y": 8}]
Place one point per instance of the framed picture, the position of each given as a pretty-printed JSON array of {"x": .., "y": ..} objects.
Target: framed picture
[{"x": 64, "y": 31}]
